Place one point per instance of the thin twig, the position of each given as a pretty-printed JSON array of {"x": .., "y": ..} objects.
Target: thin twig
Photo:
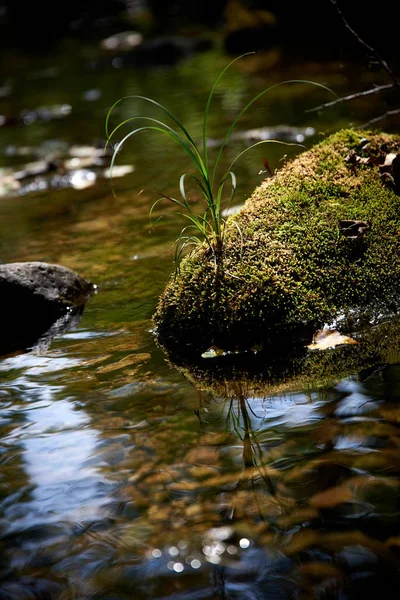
[
  {"x": 374, "y": 90},
  {"x": 370, "y": 49},
  {"x": 388, "y": 113}
]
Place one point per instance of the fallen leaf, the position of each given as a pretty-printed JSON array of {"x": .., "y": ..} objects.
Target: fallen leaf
[
  {"x": 354, "y": 159},
  {"x": 267, "y": 167},
  {"x": 389, "y": 158},
  {"x": 353, "y": 229},
  {"x": 326, "y": 339},
  {"x": 396, "y": 171},
  {"x": 213, "y": 352},
  {"x": 390, "y": 170}
]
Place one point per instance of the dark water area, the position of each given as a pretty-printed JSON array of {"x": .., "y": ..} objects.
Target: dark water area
[{"x": 121, "y": 476}]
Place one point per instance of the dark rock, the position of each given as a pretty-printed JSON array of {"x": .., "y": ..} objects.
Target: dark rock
[
  {"x": 44, "y": 282},
  {"x": 250, "y": 39},
  {"x": 172, "y": 15},
  {"x": 26, "y": 24},
  {"x": 33, "y": 297}
]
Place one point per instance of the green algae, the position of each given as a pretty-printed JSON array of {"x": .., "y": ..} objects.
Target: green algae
[{"x": 286, "y": 267}]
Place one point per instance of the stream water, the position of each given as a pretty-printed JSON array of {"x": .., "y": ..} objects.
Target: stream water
[{"x": 119, "y": 478}]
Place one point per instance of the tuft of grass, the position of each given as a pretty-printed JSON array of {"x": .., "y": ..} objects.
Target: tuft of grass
[
  {"x": 208, "y": 226},
  {"x": 296, "y": 272}
]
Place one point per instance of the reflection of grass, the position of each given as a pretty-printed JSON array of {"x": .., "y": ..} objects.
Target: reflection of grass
[
  {"x": 207, "y": 226},
  {"x": 238, "y": 419},
  {"x": 237, "y": 411}
]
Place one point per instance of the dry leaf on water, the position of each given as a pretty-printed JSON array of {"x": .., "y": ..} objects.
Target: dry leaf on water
[
  {"x": 354, "y": 159},
  {"x": 353, "y": 229},
  {"x": 267, "y": 168},
  {"x": 213, "y": 352},
  {"x": 390, "y": 170},
  {"x": 326, "y": 339}
]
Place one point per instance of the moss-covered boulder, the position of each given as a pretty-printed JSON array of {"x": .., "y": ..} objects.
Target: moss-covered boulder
[{"x": 317, "y": 242}]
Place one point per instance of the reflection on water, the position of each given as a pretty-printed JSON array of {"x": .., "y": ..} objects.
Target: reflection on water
[
  {"x": 54, "y": 445},
  {"x": 120, "y": 476},
  {"x": 150, "y": 485}
]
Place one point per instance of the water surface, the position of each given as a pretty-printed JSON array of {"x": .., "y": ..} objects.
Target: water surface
[{"x": 121, "y": 479}]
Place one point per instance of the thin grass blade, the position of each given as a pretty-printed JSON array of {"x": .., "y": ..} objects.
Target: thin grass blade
[
  {"x": 259, "y": 144},
  {"x": 170, "y": 132},
  {"x": 129, "y": 120},
  {"x": 167, "y": 112},
  {"x": 199, "y": 183},
  {"x": 249, "y": 104},
  {"x": 207, "y": 109}
]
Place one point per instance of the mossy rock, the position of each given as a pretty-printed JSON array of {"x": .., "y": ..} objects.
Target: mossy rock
[{"x": 319, "y": 241}]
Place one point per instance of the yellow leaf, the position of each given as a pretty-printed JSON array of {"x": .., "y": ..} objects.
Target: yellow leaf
[{"x": 326, "y": 339}]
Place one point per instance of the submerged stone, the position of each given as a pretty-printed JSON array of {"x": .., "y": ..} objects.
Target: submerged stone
[{"x": 318, "y": 243}]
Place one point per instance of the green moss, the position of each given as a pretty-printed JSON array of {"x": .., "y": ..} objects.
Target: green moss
[{"x": 291, "y": 270}]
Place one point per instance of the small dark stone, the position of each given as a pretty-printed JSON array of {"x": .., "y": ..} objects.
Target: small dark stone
[{"x": 33, "y": 296}]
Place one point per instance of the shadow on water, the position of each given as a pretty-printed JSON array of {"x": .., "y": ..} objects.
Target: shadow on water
[{"x": 34, "y": 332}]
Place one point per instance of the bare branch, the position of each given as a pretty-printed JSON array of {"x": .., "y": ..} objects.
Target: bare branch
[
  {"x": 388, "y": 113},
  {"x": 370, "y": 49},
  {"x": 374, "y": 90}
]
